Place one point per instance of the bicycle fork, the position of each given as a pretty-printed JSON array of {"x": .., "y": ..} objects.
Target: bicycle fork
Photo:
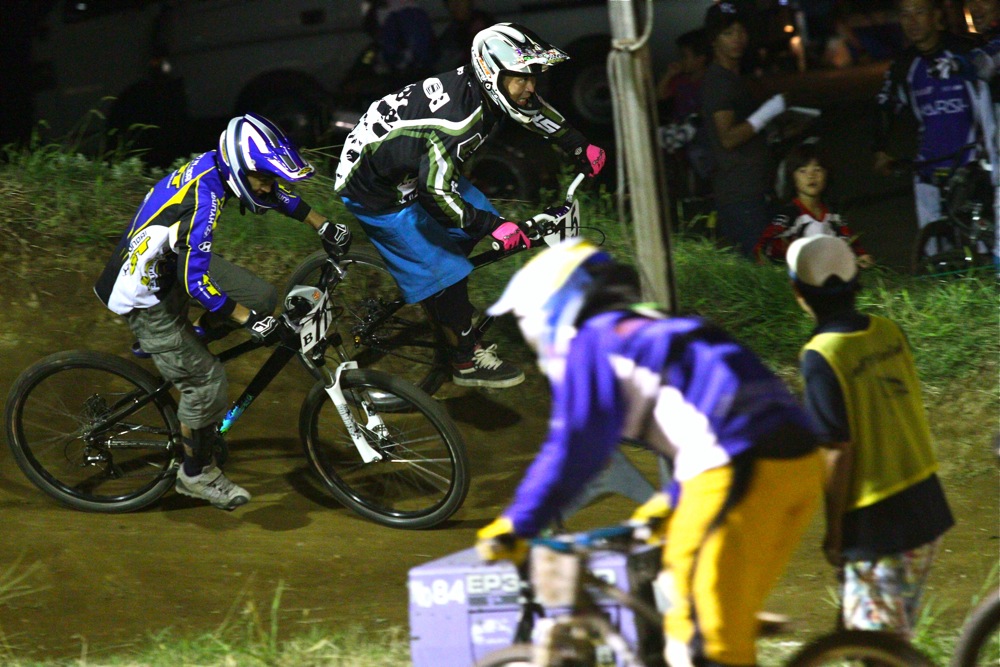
[{"x": 374, "y": 421}]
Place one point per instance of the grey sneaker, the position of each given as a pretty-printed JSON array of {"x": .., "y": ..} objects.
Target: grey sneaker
[
  {"x": 485, "y": 369},
  {"x": 213, "y": 486}
]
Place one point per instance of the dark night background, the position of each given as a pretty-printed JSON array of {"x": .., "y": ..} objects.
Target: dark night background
[{"x": 18, "y": 21}]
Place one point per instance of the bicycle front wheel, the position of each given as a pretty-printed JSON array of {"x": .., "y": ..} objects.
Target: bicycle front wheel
[
  {"x": 379, "y": 331},
  {"x": 89, "y": 429},
  {"x": 518, "y": 655},
  {"x": 862, "y": 648},
  {"x": 979, "y": 643},
  {"x": 421, "y": 474}
]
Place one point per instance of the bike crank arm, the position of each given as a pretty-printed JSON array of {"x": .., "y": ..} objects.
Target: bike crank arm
[{"x": 374, "y": 424}]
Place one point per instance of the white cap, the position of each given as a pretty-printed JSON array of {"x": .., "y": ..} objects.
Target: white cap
[{"x": 813, "y": 259}]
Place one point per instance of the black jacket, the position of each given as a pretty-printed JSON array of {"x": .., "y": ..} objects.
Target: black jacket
[{"x": 409, "y": 147}]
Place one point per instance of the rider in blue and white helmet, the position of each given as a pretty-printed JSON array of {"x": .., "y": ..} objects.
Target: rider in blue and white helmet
[
  {"x": 252, "y": 147},
  {"x": 747, "y": 468},
  {"x": 165, "y": 260}
]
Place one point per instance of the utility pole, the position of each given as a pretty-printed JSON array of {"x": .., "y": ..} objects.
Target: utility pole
[{"x": 632, "y": 89}]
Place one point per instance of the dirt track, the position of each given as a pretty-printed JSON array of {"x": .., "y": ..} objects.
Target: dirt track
[{"x": 106, "y": 582}]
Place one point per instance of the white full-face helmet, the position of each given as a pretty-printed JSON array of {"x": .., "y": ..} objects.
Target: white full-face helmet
[
  {"x": 507, "y": 48},
  {"x": 548, "y": 294}
]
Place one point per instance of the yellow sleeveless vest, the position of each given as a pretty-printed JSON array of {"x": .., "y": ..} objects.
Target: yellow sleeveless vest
[{"x": 885, "y": 412}]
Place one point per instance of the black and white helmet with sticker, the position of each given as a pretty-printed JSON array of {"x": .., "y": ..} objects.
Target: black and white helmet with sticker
[{"x": 508, "y": 48}]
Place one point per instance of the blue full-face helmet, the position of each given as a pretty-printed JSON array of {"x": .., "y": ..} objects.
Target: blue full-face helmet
[{"x": 252, "y": 143}]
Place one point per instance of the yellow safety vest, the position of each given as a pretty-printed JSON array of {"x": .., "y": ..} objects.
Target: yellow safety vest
[{"x": 885, "y": 412}]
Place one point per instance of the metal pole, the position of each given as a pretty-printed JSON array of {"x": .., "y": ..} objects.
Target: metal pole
[{"x": 635, "y": 118}]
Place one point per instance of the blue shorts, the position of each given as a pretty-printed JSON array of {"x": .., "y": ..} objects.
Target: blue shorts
[{"x": 422, "y": 255}]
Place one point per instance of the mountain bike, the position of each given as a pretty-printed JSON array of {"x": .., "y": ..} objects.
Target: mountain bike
[
  {"x": 100, "y": 433},
  {"x": 381, "y": 331},
  {"x": 587, "y": 636},
  {"x": 962, "y": 239}
]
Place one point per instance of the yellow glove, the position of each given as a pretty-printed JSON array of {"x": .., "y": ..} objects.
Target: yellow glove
[
  {"x": 654, "y": 513},
  {"x": 497, "y": 541}
]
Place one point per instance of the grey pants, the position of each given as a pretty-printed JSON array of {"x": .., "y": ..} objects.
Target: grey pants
[{"x": 181, "y": 357}]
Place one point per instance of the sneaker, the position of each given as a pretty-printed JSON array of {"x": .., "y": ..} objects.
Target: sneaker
[
  {"x": 485, "y": 369},
  {"x": 213, "y": 486}
]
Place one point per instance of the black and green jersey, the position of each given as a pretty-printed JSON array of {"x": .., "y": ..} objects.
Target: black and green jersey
[{"x": 408, "y": 147}]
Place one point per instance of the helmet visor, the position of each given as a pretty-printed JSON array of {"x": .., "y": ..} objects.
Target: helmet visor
[{"x": 526, "y": 58}]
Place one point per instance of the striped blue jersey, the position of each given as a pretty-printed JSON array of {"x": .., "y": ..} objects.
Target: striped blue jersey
[
  {"x": 950, "y": 110},
  {"x": 679, "y": 385},
  {"x": 170, "y": 240}
]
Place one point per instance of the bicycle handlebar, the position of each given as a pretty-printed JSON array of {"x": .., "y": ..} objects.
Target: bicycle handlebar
[
  {"x": 904, "y": 165},
  {"x": 536, "y": 227},
  {"x": 575, "y": 542}
]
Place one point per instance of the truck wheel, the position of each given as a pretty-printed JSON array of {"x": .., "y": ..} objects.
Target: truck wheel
[{"x": 582, "y": 90}]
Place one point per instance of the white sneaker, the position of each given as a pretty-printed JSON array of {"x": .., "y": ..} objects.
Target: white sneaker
[{"x": 213, "y": 486}]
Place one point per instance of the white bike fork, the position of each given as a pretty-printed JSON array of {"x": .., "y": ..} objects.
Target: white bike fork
[{"x": 374, "y": 421}]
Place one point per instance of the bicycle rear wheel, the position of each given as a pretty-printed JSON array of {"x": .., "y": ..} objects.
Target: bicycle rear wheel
[
  {"x": 58, "y": 429},
  {"x": 939, "y": 250},
  {"x": 423, "y": 475},
  {"x": 860, "y": 648},
  {"x": 979, "y": 643},
  {"x": 402, "y": 342}
]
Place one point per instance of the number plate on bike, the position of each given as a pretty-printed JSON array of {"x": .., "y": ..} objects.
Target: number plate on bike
[
  {"x": 567, "y": 227},
  {"x": 315, "y": 324}
]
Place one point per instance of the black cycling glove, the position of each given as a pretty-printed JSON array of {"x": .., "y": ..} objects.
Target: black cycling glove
[
  {"x": 264, "y": 329},
  {"x": 336, "y": 238}
]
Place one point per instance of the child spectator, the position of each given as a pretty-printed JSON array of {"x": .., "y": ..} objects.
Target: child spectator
[
  {"x": 806, "y": 214},
  {"x": 885, "y": 508}
]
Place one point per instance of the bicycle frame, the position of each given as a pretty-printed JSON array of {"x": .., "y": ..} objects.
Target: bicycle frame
[
  {"x": 583, "y": 603},
  {"x": 570, "y": 228},
  {"x": 290, "y": 346}
]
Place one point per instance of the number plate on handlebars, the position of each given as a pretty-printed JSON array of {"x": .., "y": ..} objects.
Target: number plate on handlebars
[
  {"x": 315, "y": 324},
  {"x": 567, "y": 227}
]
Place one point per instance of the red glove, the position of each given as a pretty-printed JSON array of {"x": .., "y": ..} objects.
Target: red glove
[
  {"x": 509, "y": 236},
  {"x": 591, "y": 159}
]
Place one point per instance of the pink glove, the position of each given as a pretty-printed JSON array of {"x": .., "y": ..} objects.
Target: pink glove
[
  {"x": 509, "y": 237},
  {"x": 591, "y": 160}
]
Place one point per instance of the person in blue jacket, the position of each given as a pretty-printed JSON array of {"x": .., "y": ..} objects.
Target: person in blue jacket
[
  {"x": 165, "y": 259},
  {"x": 747, "y": 469}
]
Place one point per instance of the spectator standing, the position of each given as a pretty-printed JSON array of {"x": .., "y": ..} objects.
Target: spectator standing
[
  {"x": 455, "y": 41},
  {"x": 742, "y": 181},
  {"x": 407, "y": 48},
  {"x": 807, "y": 214},
  {"x": 885, "y": 508},
  {"x": 986, "y": 57},
  {"x": 950, "y": 110},
  {"x": 683, "y": 136}
]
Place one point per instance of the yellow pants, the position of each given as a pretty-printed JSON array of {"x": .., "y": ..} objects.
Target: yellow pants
[{"x": 722, "y": 576}]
